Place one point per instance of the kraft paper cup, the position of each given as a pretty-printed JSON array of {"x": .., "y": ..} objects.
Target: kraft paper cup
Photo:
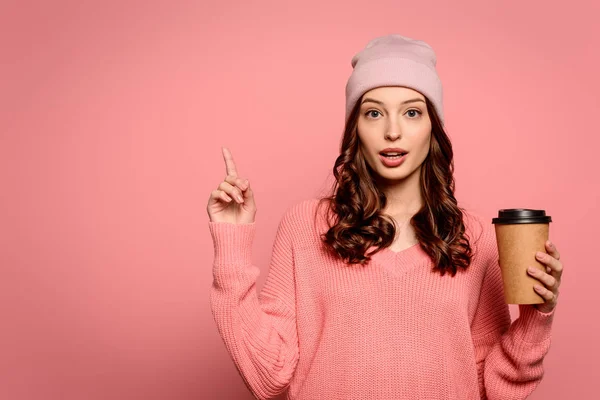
[{"x": 520, "y": 233}]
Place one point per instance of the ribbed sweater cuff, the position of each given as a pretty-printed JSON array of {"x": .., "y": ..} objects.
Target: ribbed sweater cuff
[
  {"x": 537, "y": 326},
  {"x": 232, "y": 242}
]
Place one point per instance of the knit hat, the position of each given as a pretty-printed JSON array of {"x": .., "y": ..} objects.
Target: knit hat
[{"x": 395, "y": 60}]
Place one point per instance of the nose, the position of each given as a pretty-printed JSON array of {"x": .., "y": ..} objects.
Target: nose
[
  {"x": 393, "y": 129},
  {"x": 393, "y": 132},
  {"x": 392, "y": 135}
]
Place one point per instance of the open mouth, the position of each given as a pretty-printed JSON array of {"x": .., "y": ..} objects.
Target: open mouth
[
  {"x": 392, "y": 160},
  {"x": 393, "y": 156}
]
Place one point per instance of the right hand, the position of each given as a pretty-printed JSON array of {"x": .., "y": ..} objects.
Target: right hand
[{"x": 233, "y": 200}]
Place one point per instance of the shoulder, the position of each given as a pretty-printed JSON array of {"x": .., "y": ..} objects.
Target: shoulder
[
  {"x": 474, "y": 223},
  {"x": 306, "y": 218},
  {"x": 481, "y": 234},
  {"x": 307, "y": 210}
]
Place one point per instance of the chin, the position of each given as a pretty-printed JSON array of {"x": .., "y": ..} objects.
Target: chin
[
  {"x": 398, "y": 173},
  {"x": 393, "y": 175}
]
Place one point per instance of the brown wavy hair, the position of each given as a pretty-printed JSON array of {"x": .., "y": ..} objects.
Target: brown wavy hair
[{"x": 356, "y": 204}]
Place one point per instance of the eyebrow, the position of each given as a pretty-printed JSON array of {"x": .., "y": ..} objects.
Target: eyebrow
[{"x": 381, "y": 103}]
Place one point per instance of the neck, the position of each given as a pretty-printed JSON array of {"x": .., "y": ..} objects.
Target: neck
[{"x": 404, "y": 197}]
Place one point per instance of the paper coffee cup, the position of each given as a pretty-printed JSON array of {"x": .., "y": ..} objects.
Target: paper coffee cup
[{"x": 520, "y": 233}]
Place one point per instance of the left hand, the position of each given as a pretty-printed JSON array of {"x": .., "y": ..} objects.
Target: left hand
[{"x": 551, "y": 278}]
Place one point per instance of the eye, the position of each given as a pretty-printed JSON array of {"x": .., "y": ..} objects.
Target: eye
[
  {"x": 414, "y": 110},
  {"x": 372, "y": 111}
]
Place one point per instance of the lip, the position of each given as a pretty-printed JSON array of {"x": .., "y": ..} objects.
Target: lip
[
  {"x": 393, "y": 150},
  {"x": 392, "y": 163}
]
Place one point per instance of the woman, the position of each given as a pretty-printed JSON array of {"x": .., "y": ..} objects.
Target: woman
[{"x": 357, "y": 303}]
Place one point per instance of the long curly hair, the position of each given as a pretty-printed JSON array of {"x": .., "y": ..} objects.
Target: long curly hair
[{"x": 356, "y": 204}]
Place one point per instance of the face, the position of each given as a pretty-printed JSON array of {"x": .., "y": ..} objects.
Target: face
[{"x": 394, "y": 116}]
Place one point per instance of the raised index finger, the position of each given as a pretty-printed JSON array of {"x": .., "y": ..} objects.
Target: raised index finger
[{"x": 229, "y": 164}]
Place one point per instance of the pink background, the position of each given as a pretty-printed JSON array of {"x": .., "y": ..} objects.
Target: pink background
[{"x": 112, "y": 120}]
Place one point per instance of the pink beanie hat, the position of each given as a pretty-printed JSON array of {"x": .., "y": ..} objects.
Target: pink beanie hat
[{"x": 395, "y": 60}]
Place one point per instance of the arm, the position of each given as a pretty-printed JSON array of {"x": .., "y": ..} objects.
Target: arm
[
  {"x": 259, "y": 331},
  {"x": 509, "y": 356}
]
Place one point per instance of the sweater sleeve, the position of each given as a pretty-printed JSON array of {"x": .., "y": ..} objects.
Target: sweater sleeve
[
  {"x": 509, "y": 356},
  {"x": 259, "y": 330}
]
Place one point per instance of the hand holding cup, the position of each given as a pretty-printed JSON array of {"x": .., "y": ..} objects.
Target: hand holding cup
[
  {"x": 550, "y": 279},
  {"x": 521, "y": 233}
]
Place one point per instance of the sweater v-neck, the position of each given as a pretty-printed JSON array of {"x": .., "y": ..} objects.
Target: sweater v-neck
[{"x": 399, "y": 262}]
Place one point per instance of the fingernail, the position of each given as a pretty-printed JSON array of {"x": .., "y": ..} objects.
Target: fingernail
[
  {"x": 531, "y": 269},
  {"x": 539, "y": 255},
  {"x": 549, "y": 243}
]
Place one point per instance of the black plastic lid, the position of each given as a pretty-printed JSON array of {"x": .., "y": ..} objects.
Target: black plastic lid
[{"x": 521, "y": 216}]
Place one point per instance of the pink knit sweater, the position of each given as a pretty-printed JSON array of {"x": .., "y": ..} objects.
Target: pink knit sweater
[{"x": 392, "y": 329}]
